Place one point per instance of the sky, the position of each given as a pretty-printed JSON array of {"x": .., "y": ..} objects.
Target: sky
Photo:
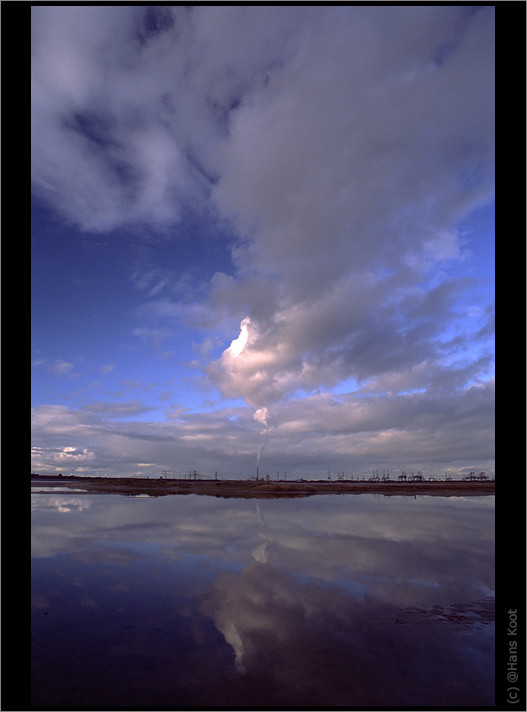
[{"x": 262, "y": 236}]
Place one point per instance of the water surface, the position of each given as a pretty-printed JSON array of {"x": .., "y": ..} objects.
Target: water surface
[{"x": 201, "y": 601}]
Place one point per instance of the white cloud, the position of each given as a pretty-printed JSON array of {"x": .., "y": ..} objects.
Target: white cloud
[
  {"x": 107, "y": 368},
  {"x": 434, "y": 430},
  {"x": 343, "y": 171},
  {"x": 117, "y": 410},
  {"x": 342, "y": 144},
  {"x": 60, "y": 367}
]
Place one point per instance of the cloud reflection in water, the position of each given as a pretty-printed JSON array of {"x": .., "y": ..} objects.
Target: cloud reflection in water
[{"x": 326, "y": 600}]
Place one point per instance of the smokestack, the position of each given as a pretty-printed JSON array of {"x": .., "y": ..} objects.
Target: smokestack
[{"x": 256, "y": 473}]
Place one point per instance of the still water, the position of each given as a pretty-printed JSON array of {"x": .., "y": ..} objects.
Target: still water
[{"x": 194, "y": 601}]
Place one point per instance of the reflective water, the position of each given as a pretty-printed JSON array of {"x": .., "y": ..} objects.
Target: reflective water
[{"x": 201, "y": 601}]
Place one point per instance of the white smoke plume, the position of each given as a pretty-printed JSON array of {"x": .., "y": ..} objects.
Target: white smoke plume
[{"x": 261, "y": 417}]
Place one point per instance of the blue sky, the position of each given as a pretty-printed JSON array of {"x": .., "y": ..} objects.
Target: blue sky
[{"x": 262, "y": 234}]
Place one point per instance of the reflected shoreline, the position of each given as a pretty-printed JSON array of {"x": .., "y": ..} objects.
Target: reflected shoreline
[
  {"x": 247, "y": 489},
  {"x": 203, "y": 602}
]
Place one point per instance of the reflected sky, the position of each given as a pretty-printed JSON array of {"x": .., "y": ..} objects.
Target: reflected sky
[{"x": 329, "y": 600}]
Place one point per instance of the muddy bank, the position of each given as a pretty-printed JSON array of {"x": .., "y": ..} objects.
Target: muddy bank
[{"x": 251, "y": 489}]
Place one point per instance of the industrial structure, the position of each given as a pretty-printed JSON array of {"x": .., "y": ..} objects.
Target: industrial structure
[
  {"x": 191, "y": 475},
  {"x": 376, "y": 478}
]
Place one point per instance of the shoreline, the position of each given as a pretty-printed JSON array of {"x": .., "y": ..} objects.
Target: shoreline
[{"x": 262, "y": 489}]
